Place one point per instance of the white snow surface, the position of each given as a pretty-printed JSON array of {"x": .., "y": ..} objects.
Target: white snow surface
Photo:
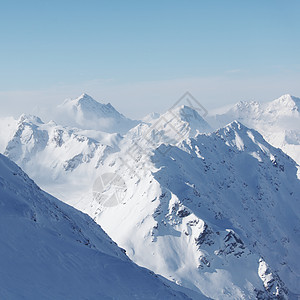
[
  {"x": 216, "y": 212},
  {"x": 207, "y": 212},
  {"x": 86, "y": 113},
  {"x": 50, "y": 152},
  {"x": 278, "y": 121},
  {"x": 8, "y": 127},
  {"x": 50, "y": 250}
]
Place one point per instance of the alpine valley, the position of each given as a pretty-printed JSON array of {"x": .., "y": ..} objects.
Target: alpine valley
[{"x": 210, "y": 204}]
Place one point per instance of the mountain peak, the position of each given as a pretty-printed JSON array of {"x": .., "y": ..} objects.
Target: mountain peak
[
  {"x": 286, "y": 103},
  {"x": 235, "y": 125},
  {"x": 30, "y": 118},
  {"x": 242, "y": 105},
  {"x": 85, "y": 101},
  {"x": 185, "y": 113},
  {"x": 86, "y": 113},
  {"x": 84, "y": 95},
  {"x": 288, "y": 98}
]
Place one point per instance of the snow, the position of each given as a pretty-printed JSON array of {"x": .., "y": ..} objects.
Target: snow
[
  {"x": 278, "y": 121},
  {"x": 48, "y": 152},
  {"x": 52, "y": 251},
  {"x": 216, "y": 212},
  {"x": 86, "y": 113},
  {"x": 181, "y": 230},
  {"x": 8, "y": 127}
]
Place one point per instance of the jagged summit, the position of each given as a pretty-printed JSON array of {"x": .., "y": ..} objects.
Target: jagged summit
[
  {"x": 84, "y": 96},
  {"x": 187, "y": 118},
  {"x": 86, "y": 113},
  {"x": 88, "y": 104},
  {"x": 278, "y": 121},
  {"x": 172, "y": 127},
  {"x": 30, "y": 119},
  {"x": 288, "y": 102},
  {"x": 85, "y": 99},
  {"x": 286, "y": 105},
  {"x": 235, "y": 125}
]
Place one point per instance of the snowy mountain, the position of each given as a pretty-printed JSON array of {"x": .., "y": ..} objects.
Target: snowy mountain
[
  {"x": 218, "y": 214},
  {"x": 57, "y": 157},
  {"x": 50, "y": 152},
  {"x": 169, "y": 128},
  {"x": 8, "y": 127},
  {"x": 52, "y": 251},
  {"x": 278, "y": 121},
  {"x": 86, "y": 113}
]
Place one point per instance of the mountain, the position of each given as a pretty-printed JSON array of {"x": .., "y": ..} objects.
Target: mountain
[
  {"x": 50, "y": 152},
  {"x": 218, "y": 213},
  {"x": 8, "y": 127},
  {"x": 86, "y": 113},
  {"x": 278, "y": 121},
  {"x": 57, "y": 157},
  {"x": 51, "y": 251},
  {"x": 170, "y": 128}
]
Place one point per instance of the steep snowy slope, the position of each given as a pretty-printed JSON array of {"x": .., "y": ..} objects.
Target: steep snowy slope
[
  {"x": 7, "y": 128},
  {"x": 218, "y": 214},
  {"x": 58, "y": 158},
  {"x": 52, "y": 251},
  {"x": 86, "y": 113},
  {"x": 170, "y": 128},
  {"x": 278, "y": 121}
]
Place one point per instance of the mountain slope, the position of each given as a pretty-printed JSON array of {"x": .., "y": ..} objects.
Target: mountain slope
[
  {"x": 169, "y": 128},
  {"x": 51, "y": 251},
  {"x": 278, "y": 121},
  {"x": 56, "y": 156},
  {"x": 208, "y": 213},
  {"x": 86, "y": 113},
  {"x": 7, "y": 126},
  {"x": 201, "y": 210}
]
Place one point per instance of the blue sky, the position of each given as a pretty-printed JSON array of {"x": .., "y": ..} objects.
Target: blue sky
[{"x": 142, "y": 55}]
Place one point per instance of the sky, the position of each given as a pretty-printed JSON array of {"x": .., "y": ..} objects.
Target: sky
[{"x": 141, "y": 56}]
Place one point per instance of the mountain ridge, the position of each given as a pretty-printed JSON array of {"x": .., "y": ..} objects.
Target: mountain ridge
[{"x": 49, "y": 250}]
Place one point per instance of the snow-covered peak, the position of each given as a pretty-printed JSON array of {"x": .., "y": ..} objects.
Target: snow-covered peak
[
  {"x": 286, "y": 104},
  {"x": 85, "y": 112},
  {"x": 27, "y": 118},
  {"x": 245, "y": 107},
  {"x": 170, "y": 128},
  {"x": 86, "y": 104},
  {"x": 235, "y": 126},
  {"x": 84, "y": 98},
  {"x": 186, "y": 119},
  {"x": 150, "y": 118},
  {"x": 278, "y": 121},
  {"x": 241, "y": 137}
]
